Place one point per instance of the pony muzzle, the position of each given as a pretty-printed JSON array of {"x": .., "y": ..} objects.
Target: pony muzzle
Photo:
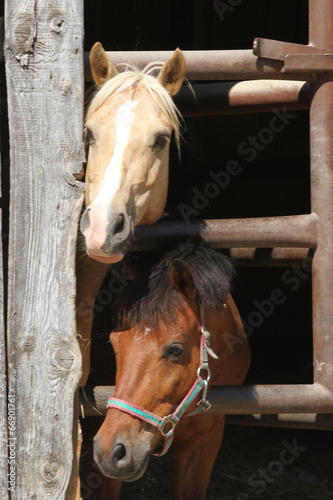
[
  {"x": 106, "y": 237},
  {"x": 122, "y": 459}
]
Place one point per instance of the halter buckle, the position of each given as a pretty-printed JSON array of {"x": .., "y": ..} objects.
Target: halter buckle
[
  {"x": 166, "y": 421},
  {"x": 206, "y": 405}
]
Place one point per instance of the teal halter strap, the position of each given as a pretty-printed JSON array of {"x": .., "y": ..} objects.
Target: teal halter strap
[{"x": 167, "y": 424}]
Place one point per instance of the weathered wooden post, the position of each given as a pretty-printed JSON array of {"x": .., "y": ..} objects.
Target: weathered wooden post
[
  {"x": 5, "y": 414},
  {"x": 44, "y": 70}
]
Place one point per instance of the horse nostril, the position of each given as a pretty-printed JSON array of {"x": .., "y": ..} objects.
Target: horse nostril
[
  {"x": 119, "y": 224},
  {"x": 119, "y": 453}
]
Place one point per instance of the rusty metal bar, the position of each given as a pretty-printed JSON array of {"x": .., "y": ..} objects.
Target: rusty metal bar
[
  {"x": 295, "y": 57},
  {"x": 210, "y": 64},
  {"x": 277, "y": 50},
  {"x": 298, "y": 231},
  {"x": 299, "y": 63},
  {"x": 300, "y": 398},
  {"x": 238, "y": 400},
  {"x": 254, "y": 96},
  {"x": 320, "y": 23},
  {"x": 321, "y": 160}
]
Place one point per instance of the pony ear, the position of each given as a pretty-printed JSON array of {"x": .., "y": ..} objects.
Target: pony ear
[
  {"x": 172, "y": 72},
  {"x": 181, "y": 278},
  {"x": 102, "y": 68}
]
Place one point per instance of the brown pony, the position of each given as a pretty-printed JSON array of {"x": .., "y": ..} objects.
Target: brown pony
[
  {"x": 170, "y": 347},
  {"x": 128, "y": 129}
]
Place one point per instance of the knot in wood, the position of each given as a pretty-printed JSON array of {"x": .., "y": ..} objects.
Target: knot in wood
[
  {"x": 57, "y": 24},
  {"x": 51, "y": 471},
  {"x": 63, "y": 357}
]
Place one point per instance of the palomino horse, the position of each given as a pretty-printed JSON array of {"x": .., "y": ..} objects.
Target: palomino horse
[
  {"x": 169, "y": 342},
  {"x": 128, "y": 128}
]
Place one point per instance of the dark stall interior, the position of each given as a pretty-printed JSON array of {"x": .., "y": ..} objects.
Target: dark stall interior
[{"x": 269, "y": 153}]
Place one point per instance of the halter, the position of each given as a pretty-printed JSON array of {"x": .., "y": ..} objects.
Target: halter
[{"x": 166, "y": 425}]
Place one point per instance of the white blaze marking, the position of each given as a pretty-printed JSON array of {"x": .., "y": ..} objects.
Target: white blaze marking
[{"x": 113, "y": 173}]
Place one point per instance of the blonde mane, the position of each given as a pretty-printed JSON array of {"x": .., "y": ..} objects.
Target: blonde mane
[{"x": 130, "y": 80}]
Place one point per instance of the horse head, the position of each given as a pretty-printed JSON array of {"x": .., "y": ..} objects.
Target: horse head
[
  {"x": 156, "y": 366},
  {"x": 161, "y": 353},
  {"x": 128, "y": 129}
]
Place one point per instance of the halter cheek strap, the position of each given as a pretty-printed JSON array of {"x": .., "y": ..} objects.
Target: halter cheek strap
[{"x": 166, "y": 425}]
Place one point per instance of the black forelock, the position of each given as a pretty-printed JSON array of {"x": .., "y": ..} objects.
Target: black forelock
[{"x": 151, "y": 298}]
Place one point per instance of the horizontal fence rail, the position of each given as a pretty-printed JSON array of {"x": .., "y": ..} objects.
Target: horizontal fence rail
[
  {"x": 254, "y": 96},
  {"x": 298, "y": 231},
  {"x": 238, "y": 400},
  {"x": 209, "y": 64}
]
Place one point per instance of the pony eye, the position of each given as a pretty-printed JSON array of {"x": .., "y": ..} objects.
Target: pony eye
[
  {"x": 174, "y": 351},
  {"x": 89, "y": 137},
  {"x": 160, "y": 142}
]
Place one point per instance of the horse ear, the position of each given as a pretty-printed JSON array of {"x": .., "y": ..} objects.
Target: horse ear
[
  {"x": 181, "y": 278},
  {"x": 172, "y": 72},
  {"x": 102, "y": 68}
]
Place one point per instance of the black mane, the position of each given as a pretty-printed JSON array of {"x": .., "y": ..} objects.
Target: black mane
[{"x": 150, "y": 298}]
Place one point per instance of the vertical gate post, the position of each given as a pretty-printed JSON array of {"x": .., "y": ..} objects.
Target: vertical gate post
[
  {"x": 44, "y": 70},
  {"x": 321, "y": 151}
]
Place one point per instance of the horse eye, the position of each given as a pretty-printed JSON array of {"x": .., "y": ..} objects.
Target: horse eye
[
  {"x": 160, "y": 142},
  {"x": 174, "y": 351},
  {"x": 89, "y": 137}
]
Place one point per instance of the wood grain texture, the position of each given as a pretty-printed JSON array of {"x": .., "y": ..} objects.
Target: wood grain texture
[
  {"x": 4, "y": 493},
  {"x": 44, "y": 69},
  {"x": 3, "y": 387}
]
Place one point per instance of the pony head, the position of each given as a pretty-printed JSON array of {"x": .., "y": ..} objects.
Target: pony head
[
  {"x": 156, "y": 337},
  {"x": 128, "y": 129}
]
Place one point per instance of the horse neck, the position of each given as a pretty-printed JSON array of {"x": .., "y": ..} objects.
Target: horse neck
[{"x": 229, "y": 342}]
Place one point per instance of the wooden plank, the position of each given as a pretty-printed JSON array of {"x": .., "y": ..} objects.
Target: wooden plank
[
  {"x": 44, "y": 69},
  {"x": 5, "y": 413},
  {"x": 7, "y": 408},
  {"x": 4, "y": 410}
]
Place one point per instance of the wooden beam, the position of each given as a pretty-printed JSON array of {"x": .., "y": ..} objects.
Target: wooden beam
[
  {"x": 7, "y": 406},
  {"x": 44, "y": 69},
  {"x": 6, "y": 416}
]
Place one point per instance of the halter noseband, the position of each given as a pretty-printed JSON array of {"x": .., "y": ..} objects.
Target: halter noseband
[{"x": 200, "y": 386}]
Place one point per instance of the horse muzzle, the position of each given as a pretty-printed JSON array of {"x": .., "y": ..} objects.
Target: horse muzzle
[
  {"x": 107, "y": 237},
  {"x": 122, "y": 460}
]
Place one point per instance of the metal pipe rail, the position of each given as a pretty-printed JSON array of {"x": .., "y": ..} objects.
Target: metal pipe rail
[
  {"x": 93, "y": 403},
  {"x": 209, "y": 64},
  {"x": 238, "y": 400},
  {"x": 298, "y": 231},
  {"x": 254, "y": 96}
]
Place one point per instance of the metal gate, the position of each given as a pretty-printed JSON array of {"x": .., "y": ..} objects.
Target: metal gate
[{"x": 305, "y": 74}]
